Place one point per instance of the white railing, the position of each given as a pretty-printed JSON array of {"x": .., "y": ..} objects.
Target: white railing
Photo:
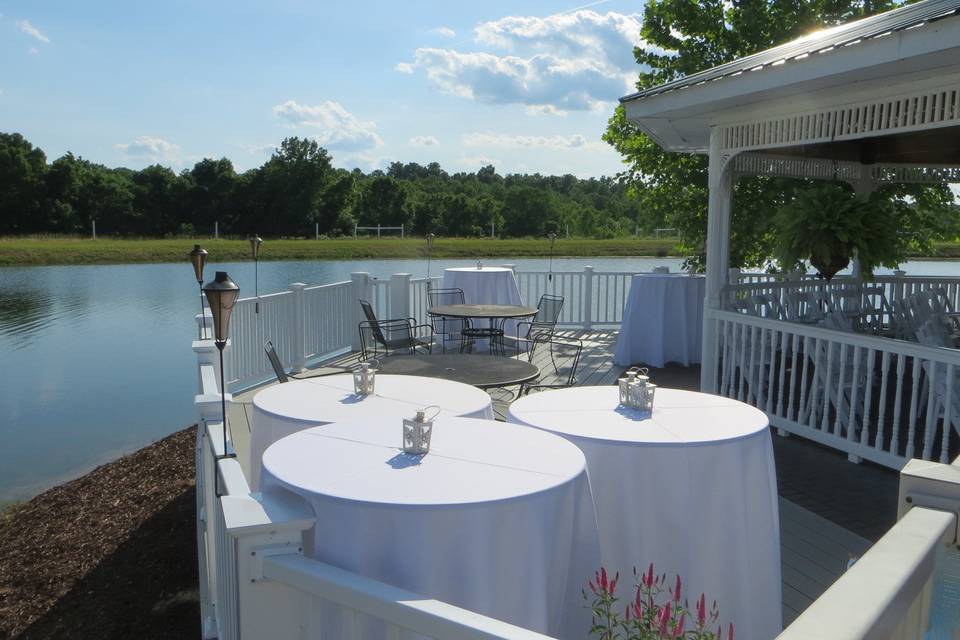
[
  {"x": 310, "y": 323},
  {"x": 875, "y": 398}
]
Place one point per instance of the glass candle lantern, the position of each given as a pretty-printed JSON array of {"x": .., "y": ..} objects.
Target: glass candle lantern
[
  {"x": 417, "y": 432},
  {"x": 364, "y": 379}
]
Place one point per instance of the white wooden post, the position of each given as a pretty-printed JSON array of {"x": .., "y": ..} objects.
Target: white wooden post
[
  {"x": 587, "y": 297},
  {"x": 270, "y": 526},
  {"x": 216, "y": 230},
  {"x": 299, "y": 328},
  {"x": 718, "y": 253},
  {"x": 400, "y": 295},
  {"x": 401, "y": 231},
  {"x": 361, "y": 291},
  {"x": 378, "y": 229},
  {"x": 93, "y": 225},
  {"x": 316, "y": 230}
]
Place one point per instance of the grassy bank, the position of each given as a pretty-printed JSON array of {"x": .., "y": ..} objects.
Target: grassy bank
[{"x": 44, "y": 251}]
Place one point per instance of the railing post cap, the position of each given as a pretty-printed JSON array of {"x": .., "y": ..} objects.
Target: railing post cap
[{"x": 298, "y": 285}]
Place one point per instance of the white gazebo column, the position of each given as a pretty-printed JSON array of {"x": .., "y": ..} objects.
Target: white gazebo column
[{"x": 718, "y": 253}]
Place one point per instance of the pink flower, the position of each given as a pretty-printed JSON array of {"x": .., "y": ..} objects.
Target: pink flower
[
  {"x": 602, "y": 579},
  {"x": 701, "y": 611},
  {"x": 613, "y": 583},
  {"x": 676, "y": 590},
  {"x": 665, "y": 616},
  {"x": 730, "y": 632},
  {"x": 648, "y": 579},
  {"x": 678, "y": 632}
]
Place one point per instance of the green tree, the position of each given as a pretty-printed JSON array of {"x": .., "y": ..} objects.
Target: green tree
[
  {"x": 22, "y": 171},
  {"x": 682, "y": 37},
  {"x": 211, "y": 185}
]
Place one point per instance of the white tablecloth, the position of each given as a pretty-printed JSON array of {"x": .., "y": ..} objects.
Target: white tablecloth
[
  {"x": 495, "y": 519},
  {"x": 692, "y": 489},
  {"x": 283, "y": 409},
  {"x": 490, "y": 285},
  {"x": 662, "y": 320}
]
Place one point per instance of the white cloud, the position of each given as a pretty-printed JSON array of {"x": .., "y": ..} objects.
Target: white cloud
[
  {"x": 446, "y": 32},
  {"x": 339, "y": 129},
  {"x": 504, "y": 141},
  {"x": 570, "y": 62},
  {"x": 152, "y": 149},
  {"x": 609, "y": 38},
  {"x": 424, "y": 141},
  {"x": 32, "y": 31},
  {"x": 33, "y": 51}
]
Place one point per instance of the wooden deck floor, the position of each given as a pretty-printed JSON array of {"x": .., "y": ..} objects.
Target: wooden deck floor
[{"x": 814, "y": 550}]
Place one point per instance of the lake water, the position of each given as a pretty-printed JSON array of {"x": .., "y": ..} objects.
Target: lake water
[{"x": 97, "y": 359}]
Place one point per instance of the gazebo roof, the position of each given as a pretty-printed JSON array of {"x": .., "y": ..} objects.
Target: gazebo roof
[
  {"x": 866, "y": 93},
  {"x": 817, "y": 43}
]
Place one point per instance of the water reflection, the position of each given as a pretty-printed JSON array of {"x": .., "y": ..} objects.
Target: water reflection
[{"x": 97, "y": 359}]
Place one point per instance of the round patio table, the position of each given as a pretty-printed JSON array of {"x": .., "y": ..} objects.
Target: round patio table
[
  {"x": 481, "y": 371},
  {"x": 284, "y": 409},
  {"x": 495, "y": 314},
  {"x": 691, "y": 488},
  {"x": 494, "y": 519}
]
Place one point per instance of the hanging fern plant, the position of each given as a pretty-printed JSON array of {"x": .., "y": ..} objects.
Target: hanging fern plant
[{"x": 828, "y": 225}]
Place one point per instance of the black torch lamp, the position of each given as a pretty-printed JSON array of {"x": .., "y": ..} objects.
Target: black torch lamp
[
  {"x": 198, "y": 257},
  {"x": 255, "y": 243},
  {"x": 430, "y": 238},
  {"x": 222, "y": 294},
  {"x": 552, "y": 237}
]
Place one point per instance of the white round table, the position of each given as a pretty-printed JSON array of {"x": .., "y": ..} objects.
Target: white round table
[
  {"x": 662, "y": 320},
  {"x": 495, "y": 519},
  {"x": 692, "y": 489},
  {"x": 283, "y": 409},
  {"x": 489, "y": 285}
]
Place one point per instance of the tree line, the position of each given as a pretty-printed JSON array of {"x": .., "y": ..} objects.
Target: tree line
[{"x": 296, "y": 189}]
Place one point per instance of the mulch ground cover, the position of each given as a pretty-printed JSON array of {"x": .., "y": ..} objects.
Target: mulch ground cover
[{"x": 109, "y": 555}]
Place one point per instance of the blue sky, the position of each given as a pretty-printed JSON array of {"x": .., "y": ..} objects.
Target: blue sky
[{"x": 524, "y": 86}]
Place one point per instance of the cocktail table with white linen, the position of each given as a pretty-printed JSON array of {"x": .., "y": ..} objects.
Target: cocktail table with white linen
[
  {"x": 662, "y": 320},
  {"x": 691, "y": 489},
  {"x": 283, "y": 409},
  {"x": 494, "y": 519},
  {"x": 489, "y": 285}
]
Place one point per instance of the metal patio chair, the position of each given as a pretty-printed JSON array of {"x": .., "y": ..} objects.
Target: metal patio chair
[
  {"x": 566, "y": 350},
  {"x": 381, "y": 337},
  {"x": 281, "y": 371},
  {"x": 548, "y": 313},
  {"x": 448, "y": 329}
]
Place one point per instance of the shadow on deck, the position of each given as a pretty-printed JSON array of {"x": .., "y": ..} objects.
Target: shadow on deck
[{"x": 831, "y": 510}]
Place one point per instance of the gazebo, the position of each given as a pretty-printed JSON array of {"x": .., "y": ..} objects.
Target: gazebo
[{"x": 870, "y": 102}]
